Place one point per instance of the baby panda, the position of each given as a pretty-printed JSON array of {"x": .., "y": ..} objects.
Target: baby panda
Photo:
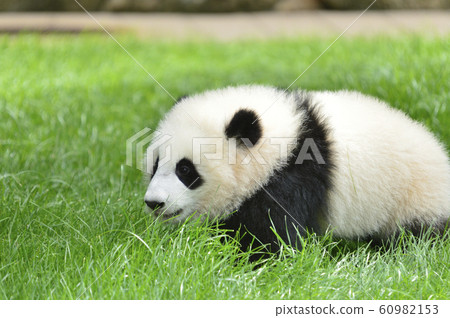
[{"x": 262, "y": 160}]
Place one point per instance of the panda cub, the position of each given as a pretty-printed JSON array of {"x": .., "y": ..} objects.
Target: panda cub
[{"x": 259, "y": 159}]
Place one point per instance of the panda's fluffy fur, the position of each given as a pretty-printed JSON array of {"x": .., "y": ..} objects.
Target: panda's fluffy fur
[{"x": 377, "y": 170}]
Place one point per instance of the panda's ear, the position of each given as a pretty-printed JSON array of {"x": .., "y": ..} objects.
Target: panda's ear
[{"x": 244, "y": 124}]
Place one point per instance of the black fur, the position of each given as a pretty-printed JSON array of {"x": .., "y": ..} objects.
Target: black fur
[
  {"x": 179, "y": 99},
  {"x": 417, "y": 228},
  {"x": 244, "y": 125},
  {"x": 155, "y": 167},
  {"x": 293, "y": 202},
  {"x": 186, "y": 172}
]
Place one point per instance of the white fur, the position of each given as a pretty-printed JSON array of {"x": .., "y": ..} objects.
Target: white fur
[{"x": 390, "y": 170}]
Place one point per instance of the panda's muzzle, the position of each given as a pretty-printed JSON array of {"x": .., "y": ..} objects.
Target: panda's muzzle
[
  {"x": 171, "y": 215},
  {"x": 157, "y": 208},
  {"x": 154, "y": 205}
]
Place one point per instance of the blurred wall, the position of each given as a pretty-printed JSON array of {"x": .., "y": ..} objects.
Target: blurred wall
[
  {"x": 386, "y": 4},
  {"x": 214, "y": 5}
]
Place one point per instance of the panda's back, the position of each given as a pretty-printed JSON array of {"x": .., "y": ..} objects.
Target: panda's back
[{"x": 389, "y": 170}]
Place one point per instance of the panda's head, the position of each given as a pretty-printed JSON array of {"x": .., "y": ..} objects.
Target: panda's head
[{"x": 214, "y": 150}]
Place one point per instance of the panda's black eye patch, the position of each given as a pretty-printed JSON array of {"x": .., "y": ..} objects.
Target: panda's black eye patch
[
  {"x": 186, "y": 172},
  {"x": 155, "y": 167}
]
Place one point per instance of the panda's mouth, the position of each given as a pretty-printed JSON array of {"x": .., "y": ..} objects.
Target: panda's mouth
[{"x": 172, "y": 215}]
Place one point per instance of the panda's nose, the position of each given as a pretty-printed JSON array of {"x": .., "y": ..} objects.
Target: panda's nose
[{"x": 154, "y": 204}]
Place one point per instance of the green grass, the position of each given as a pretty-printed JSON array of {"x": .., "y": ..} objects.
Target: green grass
[{"x": 72, "y": 220}]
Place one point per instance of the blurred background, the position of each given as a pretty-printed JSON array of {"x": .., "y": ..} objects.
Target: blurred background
[
  {"x": 226, "y": 19},
  {"x": 215, "y": 5}
]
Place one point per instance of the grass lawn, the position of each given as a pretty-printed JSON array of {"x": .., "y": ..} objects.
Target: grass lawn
[{"x": 72, "y": 218}]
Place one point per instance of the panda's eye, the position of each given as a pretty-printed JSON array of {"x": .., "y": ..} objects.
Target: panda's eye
[
  {"x": 183, "y": 170},
  {"x": 187, "y": 173}
]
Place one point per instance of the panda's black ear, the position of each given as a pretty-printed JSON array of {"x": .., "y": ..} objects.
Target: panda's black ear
[{"x": 244, "y": 124}]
